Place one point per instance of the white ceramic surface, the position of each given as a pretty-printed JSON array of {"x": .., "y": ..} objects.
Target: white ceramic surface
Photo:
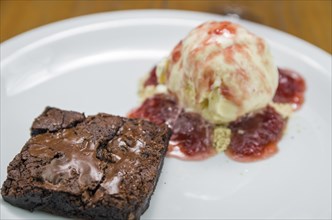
[{"x": 93, "y": 63}]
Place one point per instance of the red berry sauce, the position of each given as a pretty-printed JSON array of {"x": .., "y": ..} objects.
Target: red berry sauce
[
  {"x": 158, "y": 109},
  {"x": 291, "y": 88},
  {"x": 152, "y": 79},
  {"x": 176, "y": 53},
  {"x": 255, "y": 136},
  {"x": 191, "y": 139}
]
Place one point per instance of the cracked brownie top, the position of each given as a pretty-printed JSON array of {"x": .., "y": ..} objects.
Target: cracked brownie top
[{"x": 101, "y": 159}]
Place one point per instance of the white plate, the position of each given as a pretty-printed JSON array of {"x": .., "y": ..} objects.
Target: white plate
[{"x": 93, "y": 63}]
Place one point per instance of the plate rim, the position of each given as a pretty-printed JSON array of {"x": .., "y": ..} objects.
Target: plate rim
[
  {"x": 24, "y": 37},
  {"x": 15, "y": 44}
]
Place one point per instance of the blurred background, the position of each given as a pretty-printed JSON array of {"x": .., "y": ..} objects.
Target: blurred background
[{"x": 306, "y": 19}]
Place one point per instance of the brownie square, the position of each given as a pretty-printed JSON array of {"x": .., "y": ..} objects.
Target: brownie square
[{"x": 96, "y": 167}]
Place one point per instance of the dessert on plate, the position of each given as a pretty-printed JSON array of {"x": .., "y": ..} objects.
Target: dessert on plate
[
  {"x": 95, "y": 167},
  {"x": 220, "y": 90}
]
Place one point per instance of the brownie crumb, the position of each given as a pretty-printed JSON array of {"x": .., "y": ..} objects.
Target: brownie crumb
[{"x": 54, "y": 119}]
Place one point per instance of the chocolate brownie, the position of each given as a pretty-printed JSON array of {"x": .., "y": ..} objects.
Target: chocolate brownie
[{"x": 96, "y": 167}]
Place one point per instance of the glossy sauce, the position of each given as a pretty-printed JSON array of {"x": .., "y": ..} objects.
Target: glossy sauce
[
  {"x": 152, "y": 79},
  {"x": 192, "y": 136},
  {"x": 254, "y": 136},
  {"x": 191, "y": 139},
  {"x": 291, "y": 88},
  {"x": 176, "y": 53},
  {"x": 220, "y": 28}
]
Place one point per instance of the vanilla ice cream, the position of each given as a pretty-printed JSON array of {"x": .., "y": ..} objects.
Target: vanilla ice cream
[{"x": 220, "y": 70}]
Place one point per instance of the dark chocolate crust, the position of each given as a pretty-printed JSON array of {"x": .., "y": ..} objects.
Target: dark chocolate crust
[
  {"x": 54, "y": 119},
  {"x": 96, "y": 167}
]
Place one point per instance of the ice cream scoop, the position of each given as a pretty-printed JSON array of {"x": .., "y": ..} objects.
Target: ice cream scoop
[{"x": 220, "y": 70}]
